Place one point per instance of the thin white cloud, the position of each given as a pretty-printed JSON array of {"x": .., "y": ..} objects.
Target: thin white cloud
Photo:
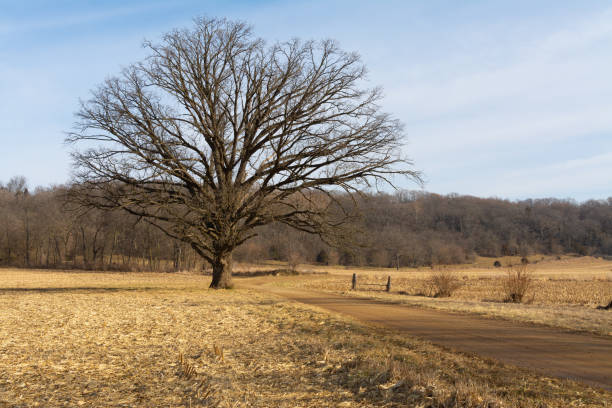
[
  {"x": 587, "y": 30},
  {"x": 596, "y": 162},
  {"x": 523, "y": 128},
  {"x": 60, "y": 21},
  {"x": 524, "y": 80},
  {"x": 588, "y": 177},
  {"x": 553, "y": 92}
]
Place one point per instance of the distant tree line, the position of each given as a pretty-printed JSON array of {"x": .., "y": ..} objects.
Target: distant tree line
[
  {"x": 415, "y": 228},
  {"x": 37, "y": 229}
]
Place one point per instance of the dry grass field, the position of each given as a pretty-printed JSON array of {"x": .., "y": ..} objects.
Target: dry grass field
[
  {"x": 156, "y": 340},
  {"x": 565, "y": 292}
]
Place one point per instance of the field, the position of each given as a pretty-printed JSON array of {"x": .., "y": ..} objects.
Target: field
[
  {"x": 565, "y": 292},
  {"x": 164, "y": 340}
]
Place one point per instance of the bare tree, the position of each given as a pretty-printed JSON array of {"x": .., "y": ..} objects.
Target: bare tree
[{"x": 216, "y": 133}]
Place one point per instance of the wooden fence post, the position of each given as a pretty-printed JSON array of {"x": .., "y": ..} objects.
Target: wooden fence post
[
  {"x": 389, "y": 284},
  {"x": 354, "y": 283}
]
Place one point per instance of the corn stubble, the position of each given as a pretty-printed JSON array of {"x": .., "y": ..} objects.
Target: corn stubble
[{"x": 180, "y": 345}]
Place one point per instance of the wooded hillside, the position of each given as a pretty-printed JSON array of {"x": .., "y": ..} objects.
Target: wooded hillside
[{"x": 405, "y": 229}]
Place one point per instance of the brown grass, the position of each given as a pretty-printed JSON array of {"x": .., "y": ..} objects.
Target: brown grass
[{"x": 130, "y": 340}]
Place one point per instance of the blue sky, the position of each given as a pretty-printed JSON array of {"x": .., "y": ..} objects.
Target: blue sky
[{"x": 509, "y": 99}]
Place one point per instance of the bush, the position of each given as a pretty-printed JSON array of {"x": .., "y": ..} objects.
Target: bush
[
  {"x": 294, "y": 258},
  {"x": 443, "y": 283},
  {"x": 323, "y": 257},
  {"x": 517, "y": 283},
  {"x": 497, "y": 264}
]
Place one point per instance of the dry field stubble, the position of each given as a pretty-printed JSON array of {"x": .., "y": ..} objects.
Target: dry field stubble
[
  {"x": 565, "y": 292},
  {"x": 126, "y": 340}
]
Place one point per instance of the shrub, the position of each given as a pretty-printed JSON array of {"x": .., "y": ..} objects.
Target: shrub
[
  {"x": 517, "y": 283},
  {"x": 323, "y": 257},
  {"x": 294, "y": 259},
  {"x": 443, "y": 283},
  {"x": 497, "y": 264}
]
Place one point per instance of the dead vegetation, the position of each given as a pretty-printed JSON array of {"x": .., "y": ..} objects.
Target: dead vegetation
[
  {"x": 132, "y": 340},
  {"x": 443, "y": 283},
  {"x": 517, "y": 282}
]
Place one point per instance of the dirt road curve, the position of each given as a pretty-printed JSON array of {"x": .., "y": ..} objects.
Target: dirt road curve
[{"x": 581, "y": 357}]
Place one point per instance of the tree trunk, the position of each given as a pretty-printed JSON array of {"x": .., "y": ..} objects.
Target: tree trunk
[
  {"x": 110, "y": 261},
  {"x": 222, "y": 272},
  {"x": 27, "y": 233}
]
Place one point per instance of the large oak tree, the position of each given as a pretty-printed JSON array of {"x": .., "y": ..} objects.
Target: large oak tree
[{"x": 216, "y": 133}]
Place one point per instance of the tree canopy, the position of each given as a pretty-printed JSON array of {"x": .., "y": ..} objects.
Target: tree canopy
[{"x": 216, "y": 133}]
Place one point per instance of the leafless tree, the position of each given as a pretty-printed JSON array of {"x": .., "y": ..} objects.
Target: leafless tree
[{"x": 216, "y": 133}]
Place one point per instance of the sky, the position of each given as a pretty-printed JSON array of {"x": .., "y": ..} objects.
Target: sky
[{"x": 507, "y": 99}]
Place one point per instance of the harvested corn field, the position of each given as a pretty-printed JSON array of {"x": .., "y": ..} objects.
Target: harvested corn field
[{"x": 86, "y": 339}]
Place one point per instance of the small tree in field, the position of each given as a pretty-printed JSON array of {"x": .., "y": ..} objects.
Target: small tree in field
[{"x": 216, "y": 133}]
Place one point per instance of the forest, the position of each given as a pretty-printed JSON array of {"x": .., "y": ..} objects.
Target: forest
[{"x": 404, "y": 229}]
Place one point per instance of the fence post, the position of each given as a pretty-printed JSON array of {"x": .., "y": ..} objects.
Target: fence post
[
  {"x": 389, "y": 284},
  {"x": 354, "y": 283}
]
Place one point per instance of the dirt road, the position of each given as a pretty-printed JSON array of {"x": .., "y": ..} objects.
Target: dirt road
[{"x": 581, "y": 357}]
